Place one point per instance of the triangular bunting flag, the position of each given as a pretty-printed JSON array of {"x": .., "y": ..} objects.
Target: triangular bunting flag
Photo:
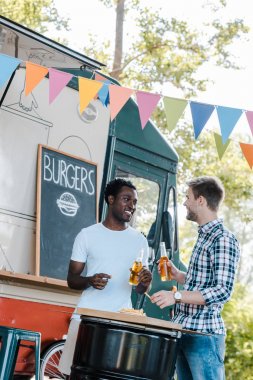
[
  {"x": 103, "y": 94},
  {"x": 174, "y": 109},
  {"x": 57, "y": 81},
  {"x": 201, "y": 113},
  {"x": 249, "y": 115},
  {"x": 34, "y": 74},
  {"x": 87, "y": 90},
  {"x": 228, "y": 118},
  {"x": 247, "y": 150},
  {"x": 118, "y": 98},
  {"x": 7, "y": 66},
  {"x": 100, "y": 77},
  {"x": 146, "y": 103},
  {"x": 221, "y": 148}
]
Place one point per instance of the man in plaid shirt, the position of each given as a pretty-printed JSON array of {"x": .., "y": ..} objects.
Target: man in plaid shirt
[{"x": 207, "y": 285}]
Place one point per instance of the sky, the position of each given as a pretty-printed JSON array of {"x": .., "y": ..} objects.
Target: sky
[{"x": 230, "y": 88}]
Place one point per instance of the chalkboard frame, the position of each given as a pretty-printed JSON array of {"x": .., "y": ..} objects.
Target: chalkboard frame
[{"x": 39, "y": 206}]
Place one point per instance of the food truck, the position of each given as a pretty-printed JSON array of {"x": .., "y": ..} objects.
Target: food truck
[{"x": 37, "y": 140}]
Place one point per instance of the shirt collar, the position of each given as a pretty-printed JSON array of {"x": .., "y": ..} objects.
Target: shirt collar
[{"x": 205, "y": 228}]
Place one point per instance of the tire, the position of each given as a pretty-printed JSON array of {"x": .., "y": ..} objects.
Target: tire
[{"x": 50, "y": 360}]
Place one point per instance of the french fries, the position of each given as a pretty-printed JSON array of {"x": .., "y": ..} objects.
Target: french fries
[{"x": 132, "y": 311}]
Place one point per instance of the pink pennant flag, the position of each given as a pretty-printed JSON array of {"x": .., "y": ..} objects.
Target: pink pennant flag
[
  {"x": 100, "y": 77},
  {"x": 118, "y": 98},
  {"x": 249, "y": 115},
  {"x": 57, "y": 81},
  {"x": 146, "y": 103}
]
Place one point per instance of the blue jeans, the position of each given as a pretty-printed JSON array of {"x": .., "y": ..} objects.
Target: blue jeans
[{"x": 201, "y": 357}]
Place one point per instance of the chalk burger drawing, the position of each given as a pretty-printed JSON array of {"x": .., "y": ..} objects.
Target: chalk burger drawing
[{"x": 67, "y": 204}]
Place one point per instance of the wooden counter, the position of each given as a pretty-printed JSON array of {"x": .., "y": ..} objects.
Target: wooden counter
[
  {"x": 130, "y": 318},
  {"x": 39, "y": 281}
]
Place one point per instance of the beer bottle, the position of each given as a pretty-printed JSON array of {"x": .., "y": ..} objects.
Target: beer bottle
[
  {"x": 136, "y": 268},
  {"x": 164, "y": 270}
]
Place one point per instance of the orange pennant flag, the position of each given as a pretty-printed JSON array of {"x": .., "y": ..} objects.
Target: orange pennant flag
[
  {"x": 247, "y": 150},
  {"x": 88, "y": 88},
  {"x": 118, "y": 98},
  {"x": 34, "y": 75}
]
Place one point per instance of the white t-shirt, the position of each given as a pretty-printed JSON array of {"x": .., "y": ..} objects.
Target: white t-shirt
[{"x": 111, "y": 252}]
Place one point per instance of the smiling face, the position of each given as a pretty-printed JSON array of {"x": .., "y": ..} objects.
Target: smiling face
[
  {"x": 123, "y": 205},
  {"x": 192, "y": 206}
]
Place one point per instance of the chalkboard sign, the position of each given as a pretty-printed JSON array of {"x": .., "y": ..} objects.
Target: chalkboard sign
[{"x": 66, "y": 203}]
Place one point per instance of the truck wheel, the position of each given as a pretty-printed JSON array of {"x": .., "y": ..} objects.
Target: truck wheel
[{"x": 50, "y": 360}]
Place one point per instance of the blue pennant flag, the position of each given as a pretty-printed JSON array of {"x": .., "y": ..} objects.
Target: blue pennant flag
[
  {"x": 103, "y": 93},
  {"x": 228, "y": 118},
  {"x": 201, "y": 113},
  {"x": 7, "y": 66}
]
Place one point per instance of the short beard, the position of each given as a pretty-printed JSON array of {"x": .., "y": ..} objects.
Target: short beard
[
  {"x": 120, "y": 219},
  {"x": 191, "y": 216}
]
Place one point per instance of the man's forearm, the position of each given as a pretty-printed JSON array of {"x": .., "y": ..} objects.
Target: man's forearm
[
  {"x": 142, "y": 288},
  {"x": 78, "y": 282},
  {"x": 192, "y": 297}
]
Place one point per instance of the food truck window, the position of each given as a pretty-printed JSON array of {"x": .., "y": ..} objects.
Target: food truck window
[
  {"x": 148, "y": 195},
  {"x": 172, "y": 220}
]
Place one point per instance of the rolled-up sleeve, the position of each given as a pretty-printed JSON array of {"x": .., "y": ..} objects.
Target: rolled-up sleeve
[{"x": 224, "y": 257}]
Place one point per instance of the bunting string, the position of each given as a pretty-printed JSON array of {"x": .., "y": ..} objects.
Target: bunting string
[{"x": 115, "y": 96}]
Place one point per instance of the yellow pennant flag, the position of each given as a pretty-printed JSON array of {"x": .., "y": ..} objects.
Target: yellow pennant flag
[
  {"x": 34, "y": 75},
  {"x": 88, "y": 89}
]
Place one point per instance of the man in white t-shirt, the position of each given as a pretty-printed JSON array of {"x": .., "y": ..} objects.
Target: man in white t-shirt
[{"x": 107, "y": 250}]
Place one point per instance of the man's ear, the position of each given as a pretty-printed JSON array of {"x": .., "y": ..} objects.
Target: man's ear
[
  {"x": 202, "y": 200},
  {"x": 110, "y": 199}
]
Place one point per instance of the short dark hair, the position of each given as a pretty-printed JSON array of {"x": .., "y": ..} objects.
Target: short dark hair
[
  {"x": 210, "y": 188},
  {"x": 113, "y": 187}
]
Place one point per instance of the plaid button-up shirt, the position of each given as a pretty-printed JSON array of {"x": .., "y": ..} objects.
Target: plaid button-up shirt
[{"x": 211, "y": 271}]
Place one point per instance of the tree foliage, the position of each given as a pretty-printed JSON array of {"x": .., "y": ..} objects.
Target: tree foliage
[
  {"x": 238, "y": 316},
  {"x": 34, "y": 14},
  {"x": 169, "y": 50}
]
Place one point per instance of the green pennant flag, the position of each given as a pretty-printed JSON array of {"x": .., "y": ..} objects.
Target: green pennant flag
[
  {"x": 173, "y": 109},
  {"x": 221, "y": 148}
]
